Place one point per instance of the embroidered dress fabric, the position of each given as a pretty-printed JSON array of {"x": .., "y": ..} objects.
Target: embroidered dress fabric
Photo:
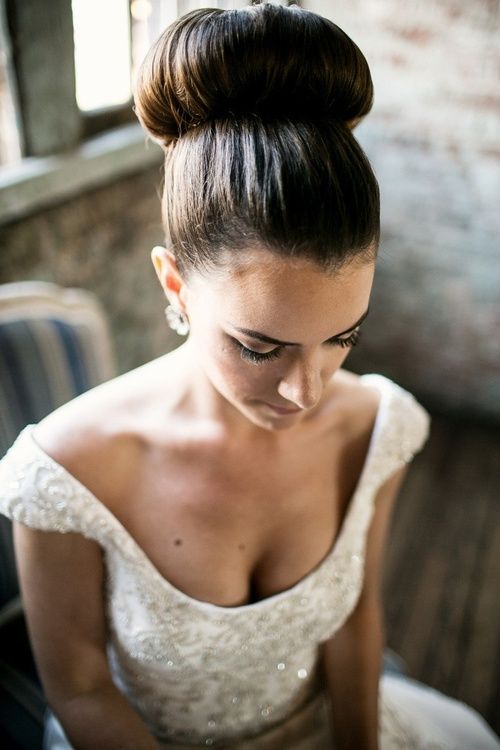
[{"x": 244, "y": 677}]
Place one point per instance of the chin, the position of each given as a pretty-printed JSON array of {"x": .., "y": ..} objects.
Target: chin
[
  {"x": 270, "y": 423},
  {"x": 250, "y": 408}
]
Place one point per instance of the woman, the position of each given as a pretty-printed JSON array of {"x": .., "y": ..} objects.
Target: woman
[{"x": 199, "y": 541}]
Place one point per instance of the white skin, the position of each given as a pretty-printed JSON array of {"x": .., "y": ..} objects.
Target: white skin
[
  {"x": 292, "y": 301},
  {"x": 243, "y": 509}
]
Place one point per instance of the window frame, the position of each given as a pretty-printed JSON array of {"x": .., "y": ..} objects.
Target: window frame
[
  {"x": 64, "y": 150},
  {"x": 64, "y": 153}
]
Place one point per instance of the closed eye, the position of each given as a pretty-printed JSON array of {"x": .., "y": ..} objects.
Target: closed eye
[
  {"x": 261, "y": 357},
  {"x": 350, "y": 340},
  {"x": 258, "y": 357}
]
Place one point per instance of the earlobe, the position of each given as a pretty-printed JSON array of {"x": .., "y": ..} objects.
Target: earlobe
[{"x": 174, "y": 288}]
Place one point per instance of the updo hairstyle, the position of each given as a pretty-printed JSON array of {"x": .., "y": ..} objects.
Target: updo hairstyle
[{"x": 254, "y": 109}]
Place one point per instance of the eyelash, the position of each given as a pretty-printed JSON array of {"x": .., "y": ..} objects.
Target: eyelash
[{"x": 258, "y": 358}]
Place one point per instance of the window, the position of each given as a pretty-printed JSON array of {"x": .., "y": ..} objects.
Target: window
[
  {"x": 10, "y": 146},
  {"x": 73, "y": 65},
  {"x": 67, "y": 69},
  {"x": 101, "y": 32}
]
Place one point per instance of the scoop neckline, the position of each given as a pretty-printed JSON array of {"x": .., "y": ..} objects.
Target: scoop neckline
[{"x": 273, "y": 598}]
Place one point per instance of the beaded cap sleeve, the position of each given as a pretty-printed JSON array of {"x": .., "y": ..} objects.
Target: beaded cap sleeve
[
  {"x": 38, "y": 492},
  {"x": 200, "y": 673}
]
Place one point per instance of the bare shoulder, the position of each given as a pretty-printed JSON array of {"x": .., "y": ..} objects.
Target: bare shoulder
[
  {"x": 99, "y": 436},
  {"x": 85, "y": 424}
]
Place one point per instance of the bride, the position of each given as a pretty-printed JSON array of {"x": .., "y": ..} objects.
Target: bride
[{"x": 200, "y": 540}]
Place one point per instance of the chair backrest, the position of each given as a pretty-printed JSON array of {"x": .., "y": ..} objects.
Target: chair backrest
[{"x": 54, "y": 344}]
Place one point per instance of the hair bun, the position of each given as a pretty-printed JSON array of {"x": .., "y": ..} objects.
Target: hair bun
[{"x": 265, "y": 60}]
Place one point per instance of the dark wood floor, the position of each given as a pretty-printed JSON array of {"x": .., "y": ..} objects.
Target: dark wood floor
[{"x": 442, "y": 568}]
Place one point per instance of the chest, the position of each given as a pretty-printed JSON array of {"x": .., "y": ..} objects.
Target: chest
[{"x": 233, "y": 528}]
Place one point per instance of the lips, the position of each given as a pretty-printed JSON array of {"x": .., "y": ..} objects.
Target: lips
[{"x": 281, "y": 410}]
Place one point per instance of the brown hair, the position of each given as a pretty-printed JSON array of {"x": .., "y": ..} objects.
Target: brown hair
[{"x": 253, "y": 108}]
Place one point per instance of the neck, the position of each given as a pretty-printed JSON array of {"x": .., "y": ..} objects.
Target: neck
[{"x": 198, "y": 398}]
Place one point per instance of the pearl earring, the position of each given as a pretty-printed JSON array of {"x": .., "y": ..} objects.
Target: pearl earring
[{"x": 177, "y": 320}]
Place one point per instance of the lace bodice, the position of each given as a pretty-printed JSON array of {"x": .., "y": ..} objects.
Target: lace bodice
[{"x": 197, "y": 672}]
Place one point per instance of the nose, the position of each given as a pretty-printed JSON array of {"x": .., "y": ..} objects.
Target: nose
[{"x": 302, "y": 384}]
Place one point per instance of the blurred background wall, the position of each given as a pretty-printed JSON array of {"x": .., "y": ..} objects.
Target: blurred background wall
[
  {"x": 101, "y": 241},
  {"x": 433, "y": 137}
]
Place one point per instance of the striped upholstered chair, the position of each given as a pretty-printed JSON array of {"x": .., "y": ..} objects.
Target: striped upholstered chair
[{"x": 54, "y": 345}]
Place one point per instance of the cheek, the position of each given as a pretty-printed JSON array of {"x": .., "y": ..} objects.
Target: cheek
[{"x": 240, "y": 377}]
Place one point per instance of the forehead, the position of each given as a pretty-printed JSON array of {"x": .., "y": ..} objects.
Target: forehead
[{"x": 278, "y": 296}]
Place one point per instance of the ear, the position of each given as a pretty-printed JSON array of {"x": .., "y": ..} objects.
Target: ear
[{"x": 168, "y": 274}]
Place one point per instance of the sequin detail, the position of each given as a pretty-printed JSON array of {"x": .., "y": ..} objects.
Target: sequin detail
[{"x": 196, "y": 672}]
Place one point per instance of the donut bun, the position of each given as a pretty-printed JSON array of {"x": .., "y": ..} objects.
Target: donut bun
[{"x": 265, "y": 60}]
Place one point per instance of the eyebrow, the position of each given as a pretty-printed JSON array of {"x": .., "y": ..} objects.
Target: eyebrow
[{"x": 270, "y": 340}]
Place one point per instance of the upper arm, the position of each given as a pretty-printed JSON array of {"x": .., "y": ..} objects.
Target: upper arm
[
  {"x": 62, "y": 575},
  {"x": 366, "y": 619},
  {"x": 61, "y": 580},
  {"x": 378, "y": 532}
]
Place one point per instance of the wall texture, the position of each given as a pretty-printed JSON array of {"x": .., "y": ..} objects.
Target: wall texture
[
  {"x": 101, "y": 241},
  {"x": 433, "y": 137}
]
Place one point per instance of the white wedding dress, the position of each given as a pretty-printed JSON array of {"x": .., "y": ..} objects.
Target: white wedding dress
[{"x": 243, "y": 677}]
